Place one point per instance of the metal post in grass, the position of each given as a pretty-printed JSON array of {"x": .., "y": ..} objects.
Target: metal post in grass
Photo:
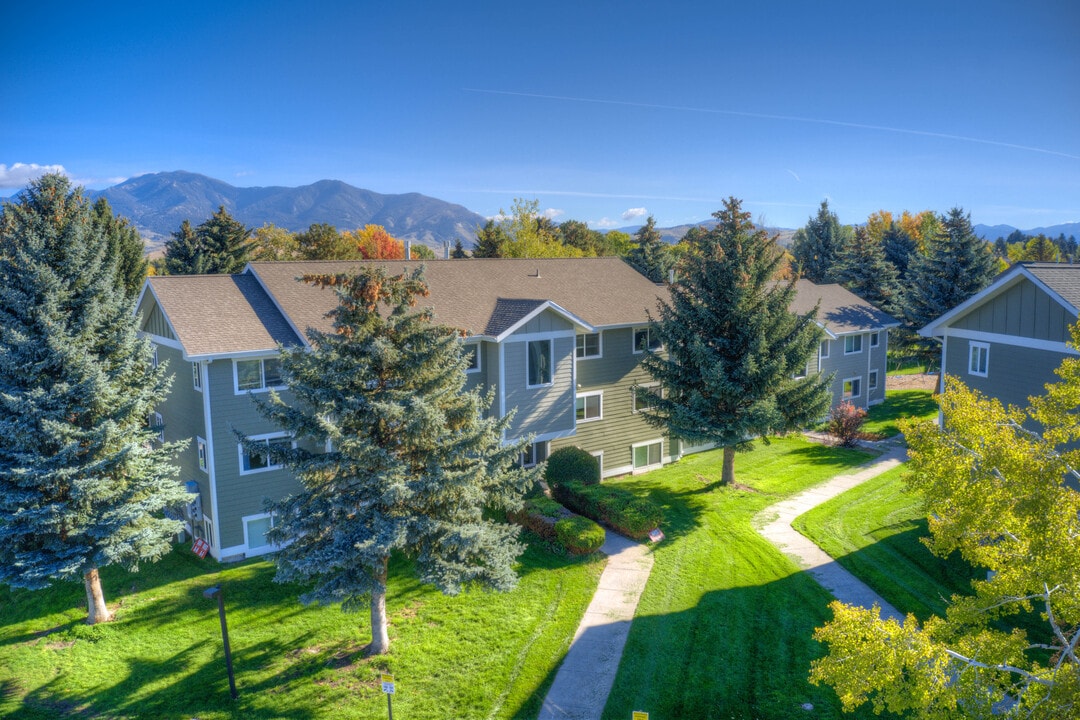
[{"x": 209, "y": 593}]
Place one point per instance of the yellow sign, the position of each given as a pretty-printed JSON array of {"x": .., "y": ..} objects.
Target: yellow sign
[
  {"x": 387, "y": 678},
  {"x": 638, "y": 715},
  {"x": 387, "y": 683}
]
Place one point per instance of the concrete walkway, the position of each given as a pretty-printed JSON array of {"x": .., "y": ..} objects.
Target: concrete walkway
[
  {"x": 774, "y": 523},
  {"x": 587, "y": 673}
]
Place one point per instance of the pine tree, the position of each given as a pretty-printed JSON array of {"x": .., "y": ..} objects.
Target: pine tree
[
  {"x": 184, "y": 254},
  {"x": 458, "y": 253},
  {"x": 221, "y": 244},
  {"x": 125, "y": 245},
  {"x": 817, "y": 246},
  {"x": 862, "y": 268},
  {"x": 82, "y": 475},
  {"x": 651, "y": 256},
  {"x": 957, "y": 265},
  {"x": 899, "y": 247},
  {"x": 733, "y": 348},
  {"x": 491, "y": 241},
  {"x": 412, "y": 466}
]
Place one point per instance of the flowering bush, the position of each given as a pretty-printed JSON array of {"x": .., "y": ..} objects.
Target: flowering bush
[{"x": 845, "y": 423}]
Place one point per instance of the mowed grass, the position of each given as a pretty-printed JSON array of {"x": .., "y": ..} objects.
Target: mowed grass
[
  {"x": 875, "y": 531},
  {"x": 883, "y": 420},
  {"x": 724, "y": 627},
  {"x": 478, "y": 655}
]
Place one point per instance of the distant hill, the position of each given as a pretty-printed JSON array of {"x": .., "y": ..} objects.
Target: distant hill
[
  {"x": 993, "y": 232},
  {"x": 675, "y": 234},
  {"x": 157, "y": 203}
]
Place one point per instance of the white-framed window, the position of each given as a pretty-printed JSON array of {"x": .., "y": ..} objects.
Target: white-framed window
[
  {"x": 799, "y": 374},
  {"x": 538, "y": 362},
  {"x": 599, "y": 455},
  {"x": 979, "y": 359},
  {"x": 257, "y": 375},
  {"x": 852, "y": 344},
  {"x": 472, "y": 357},
  {"x": 647, "y": 454},
  {"x": 645, "y": 339},
  {"x": 260, "y": 459},
  {"x": 156, "y": 422},
  {"x": 644, "y": 397},
  {"x": 153, "y": 356},
  {"x": 255, "y": 529},
  {"x": 871, "y": 381},
  {"x": 196, "y": 375},
  {"x": 823, "y": 349},
  {"x": 589, "y": 406},
  {"x": 875, "y": 339},
  {"x": 588, "y": 346},
  {"x": 533, "y": 454},
  {"x": 208, "y": 530},
  {"x": 203, "y": 462},
  {"x": 852, "y": 388}
]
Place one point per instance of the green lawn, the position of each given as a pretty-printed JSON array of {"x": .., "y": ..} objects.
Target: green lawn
[
  {"x": 479, "y": 655},
  {"x": 875, "y": 531},
  {"x": 724, "y": 627},
  {"x": 881, "y": 420}
]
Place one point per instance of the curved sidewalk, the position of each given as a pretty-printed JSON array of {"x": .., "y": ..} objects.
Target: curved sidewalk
[
  {"x": 777, "y": 529},
  {"x": 587, "y": 672}
]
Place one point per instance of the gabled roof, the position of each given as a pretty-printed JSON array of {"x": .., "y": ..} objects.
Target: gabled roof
[
  {"x": 215, "y": 315},
  {"x": 1058, "y": 280},
  {"x": 841, "y": 311}
]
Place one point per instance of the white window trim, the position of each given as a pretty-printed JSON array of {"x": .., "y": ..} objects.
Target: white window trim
[
  {"x": 596, "y": 393},
  {"x": 872, "y": 380},
  {"x": 633, "y": 395},
  {"x": 633, "y": 451},
  {"x": 599, "y": 455},
  {"x": 154, "y": 357},
  {"x": 262, "y": 376},
  {"x": 972, "y": 345},
  {"x": 196, "y": 375},
  {"x": 156, "y": 420},
  {"x": 599, "y": 346},
  {"x": 853, "y": 338},
  {"x": 479, "y": 360},
  {"x": 823, "y": 349},
  {"x": 551, "y": 363},
  {"x": 856, "y": 383},
  {"x": 247, "y": 542},
  {"x": 532, "y": 461},
  {"x": 264, "y": 436},
  {"x": 633, "y": 339},
  {"x": 875, "y": 339},
  {"x": 201, "y": 454}
]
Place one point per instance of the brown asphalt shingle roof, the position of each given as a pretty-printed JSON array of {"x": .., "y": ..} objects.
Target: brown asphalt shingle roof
[{"x": 841, "y": 311}]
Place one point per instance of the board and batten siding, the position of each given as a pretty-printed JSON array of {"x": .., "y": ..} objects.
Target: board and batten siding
[
  {"x": 182, "y": 413},
  {"x": 540, "y": 411},
  {"x": 153, "y": 320},
  {"x": 1022, "y": 310},
  {"x": 1014, "y": 373}
]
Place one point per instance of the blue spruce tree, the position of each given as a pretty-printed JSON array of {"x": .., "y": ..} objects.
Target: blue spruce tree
[{"x": 83, "y": 477}]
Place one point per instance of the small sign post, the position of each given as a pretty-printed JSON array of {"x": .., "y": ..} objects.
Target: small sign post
[
  {"x": 200, "y": 547},
  {"x": 639, "y": 715},
  {"x": 388, "y": 688},
  {"x": 655, "y": 535}
]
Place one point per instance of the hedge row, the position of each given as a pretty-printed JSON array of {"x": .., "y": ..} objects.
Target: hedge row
[
  {"x": 571, "y": 464},
  {"x": 617, "y": 508},
  {"x": 554, "y": 523}
]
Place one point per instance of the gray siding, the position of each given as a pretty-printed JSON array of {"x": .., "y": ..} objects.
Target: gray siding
[
  {"x": 855, "y": 365},
  {"x": 182, "y": 413},
  {"x": 1013, "y": 373},
  {"x": 1023, "y": 310},
  {"x": 153, "y": 320},
  {"x": 540, "y": 410},
  {"x": 480, "y": 378}
]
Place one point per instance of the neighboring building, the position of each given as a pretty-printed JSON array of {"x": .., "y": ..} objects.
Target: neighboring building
[
  {"x": 559, "y": 340},
  {"x": 1007, "y": 340},
  {"x": 855, "y": 344}
]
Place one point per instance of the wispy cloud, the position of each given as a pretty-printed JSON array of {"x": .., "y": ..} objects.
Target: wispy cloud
[
  {"x": 633, "y": 213},
  {"x": 794, "y": 174},
  {"x": 552, "y": 213},
  {"x": 21, "y": 174},
  {"x": 606, "y": 223},
  {"x": 788, "y": 118}
]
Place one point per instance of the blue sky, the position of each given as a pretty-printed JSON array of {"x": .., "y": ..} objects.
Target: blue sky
[{"x": 602, "y": 111}]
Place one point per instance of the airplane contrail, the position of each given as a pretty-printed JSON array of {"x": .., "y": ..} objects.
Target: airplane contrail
[{"x": 789, "y": 118}]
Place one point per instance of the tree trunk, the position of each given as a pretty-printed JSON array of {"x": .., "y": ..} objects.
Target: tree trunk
[
  {"x": 380, "y": 640},
  {"x": 728, "y": 477},
  {"x": 95, "y": 599}
]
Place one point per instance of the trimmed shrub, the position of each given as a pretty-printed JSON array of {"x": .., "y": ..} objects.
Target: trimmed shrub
[
  {"x": 579, "y": 535},
  {"x": 619, "y": 509},
  {"x": 571, "y": 464},
  {"x": 845, "y": 423}
]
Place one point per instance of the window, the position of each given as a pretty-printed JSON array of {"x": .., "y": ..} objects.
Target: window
[
  {"x": 472, "y": 357},
  {"x": 539, "y": 363},
  {"x": 266, "y": 456},
  {"x": 208, "y": 531},
  {"x": 196, "y": 376},
  {"x": 590, "y": 406},
  {"x": 823, "y": 351},
  {"x": 156, "y": 422},
  {"x": 255, "y": 529},
  {"x": 979, "y": 359},
  {"x": 534, "y": 454},
  {"x": 874, "y": 339},
  {"x": 588, "y": 346},
  {"x": 648, "y": 454},
  {"x": 154, "y": 357},
  {"x": 799, "y": 374},
  {"x": 645, "y": 397},
  {"x": 201, "y": 445},
  {"x": 852, "y": 344},
  {"x": 852, "y": 388},
  {"x": 645, "y": 339},
  {"x": 871, "y": 382},
  {"x": 257, "y": 374}
]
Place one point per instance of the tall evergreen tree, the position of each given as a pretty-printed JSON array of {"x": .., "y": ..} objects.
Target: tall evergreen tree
[
  {"x": 82, "y": 475},
  {"x": 818, "y": 244},
  {"x": 458, "y": 253},
  {"x": 125, "y": 244},
  {"x": 863, "y": 269},
  {"x": 221, "y": 244},
  {"x": 899, "y": 247},
  {"x": 651, "y": 256},
  {"x": 184, "y": 254},
  {"x": 733, "y": 348},
  {"x": 957, "y": 265},
  {"x": 491, "y": 241},
  {"x": 413, "y": 463}
]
